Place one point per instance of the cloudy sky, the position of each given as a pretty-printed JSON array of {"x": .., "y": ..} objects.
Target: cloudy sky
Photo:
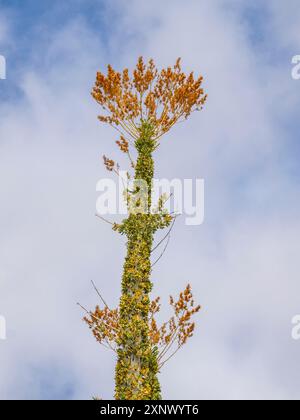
[{"x": 243, "y": 262}]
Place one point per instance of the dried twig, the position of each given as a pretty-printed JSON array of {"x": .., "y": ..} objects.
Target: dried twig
[
  {"x": 173, "y": 354},
  {"x": 166, "y": 236},
  {"x": 105, "y": 220},
  {"x": 162, "y": 254}
]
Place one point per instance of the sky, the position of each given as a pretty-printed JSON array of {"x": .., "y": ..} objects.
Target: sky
[{"x": 243, "y": 261}]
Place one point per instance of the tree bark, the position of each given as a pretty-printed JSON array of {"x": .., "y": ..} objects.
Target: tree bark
[{"x": 137, "y": 366}]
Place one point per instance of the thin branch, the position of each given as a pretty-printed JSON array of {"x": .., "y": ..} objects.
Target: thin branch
[
  {"x": 169, "y": 345},
  {"x": 117, "y": 172},
  {"x": 165, "y": 237},
  {"x": 131, "y": 160},
  {"x": 162, "y": 254},
  {"x": 85, "y": 310},
  {"x": 98, "y": 293},
  {"x": 104, "y": 220},
  {"x": 110, "y": 346},
  {"x": 173, "y": 354}
]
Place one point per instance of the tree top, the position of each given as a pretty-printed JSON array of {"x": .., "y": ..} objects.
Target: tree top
[{"x": 147, "y": 95}]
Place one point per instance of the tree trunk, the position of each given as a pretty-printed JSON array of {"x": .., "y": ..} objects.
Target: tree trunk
[{"x": 137, "y": 367}]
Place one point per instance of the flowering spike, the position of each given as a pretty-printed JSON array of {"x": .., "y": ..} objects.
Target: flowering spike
[
  {"x": 160, "y": 97},
  {"x": 142, "y": 105}
]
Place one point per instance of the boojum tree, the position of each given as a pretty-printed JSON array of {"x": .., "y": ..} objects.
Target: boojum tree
[{"x": 142, "y": 106}]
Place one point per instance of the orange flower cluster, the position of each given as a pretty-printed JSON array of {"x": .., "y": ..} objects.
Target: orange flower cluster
[
  {"x": 168, "y": 338},
  {"x": 123, "y": 144},
  {"x": 184, "y": 310},
  {"x": 104, "y": 325},
  {"x": 109, "y": 164},
  {"x": 172, "y": 335},
  {"x": 147, "y": 95}
]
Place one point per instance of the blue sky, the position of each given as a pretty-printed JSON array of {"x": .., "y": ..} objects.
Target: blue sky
[
  {"x": 243, "y": 261},
  {"x": 33, "y": 25}
]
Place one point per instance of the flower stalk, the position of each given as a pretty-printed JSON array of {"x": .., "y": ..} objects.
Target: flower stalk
[{"x": 142, "y": 107}]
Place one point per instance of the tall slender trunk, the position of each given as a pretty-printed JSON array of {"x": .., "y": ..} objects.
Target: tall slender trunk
[{"x": 137, "y": 366}]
